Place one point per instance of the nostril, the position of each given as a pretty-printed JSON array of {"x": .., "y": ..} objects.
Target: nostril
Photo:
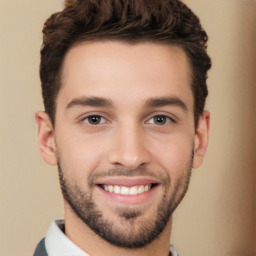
[{"x": 131, "y": 162}]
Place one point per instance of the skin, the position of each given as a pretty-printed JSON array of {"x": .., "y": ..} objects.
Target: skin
[{"x": 130, "y": 79}]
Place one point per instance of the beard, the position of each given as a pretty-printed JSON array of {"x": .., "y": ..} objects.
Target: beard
[{"x": 130, "y": 230}]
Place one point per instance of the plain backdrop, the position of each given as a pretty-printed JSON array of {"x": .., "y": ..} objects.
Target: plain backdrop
[{"x": 217, "y": 217}]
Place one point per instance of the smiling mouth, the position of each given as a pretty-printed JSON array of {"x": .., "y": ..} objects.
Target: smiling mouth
[{"x": 124, "y": 190}]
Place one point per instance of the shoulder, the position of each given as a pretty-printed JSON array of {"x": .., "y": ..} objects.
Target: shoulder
[{"x": 41, "y": 249}]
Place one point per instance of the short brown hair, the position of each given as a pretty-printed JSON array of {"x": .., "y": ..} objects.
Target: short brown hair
[{"x": 161, "y": 21}]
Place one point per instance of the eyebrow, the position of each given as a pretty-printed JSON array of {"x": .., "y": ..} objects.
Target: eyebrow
[
  {"x": 166, "y": 101},
  {"x": 103, "y": 102},
  {"x": 91, "y": 101}
]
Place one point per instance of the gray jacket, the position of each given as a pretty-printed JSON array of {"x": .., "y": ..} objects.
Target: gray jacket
[{"x": 40, "y": 249}]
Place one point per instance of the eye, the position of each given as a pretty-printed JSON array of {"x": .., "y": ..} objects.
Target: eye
[
  {"x": 94, "y": 120},
  {"x": 160, "y": 120}
]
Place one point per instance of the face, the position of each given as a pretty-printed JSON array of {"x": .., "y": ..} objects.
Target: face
[{"x": 124, "y": 137}]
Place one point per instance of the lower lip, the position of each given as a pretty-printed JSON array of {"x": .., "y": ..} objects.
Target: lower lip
[{"x": 129, "y": 199}]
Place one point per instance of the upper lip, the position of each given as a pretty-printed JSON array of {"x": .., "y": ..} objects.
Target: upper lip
[{"x": 127, "y": 181}]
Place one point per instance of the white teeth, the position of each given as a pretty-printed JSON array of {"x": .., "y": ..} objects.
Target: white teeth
[
  {"x": 147, "y": 188},
  {"x": 141, "y": 189},
  {"x": 117, "y": 189},
  {"x": 122, "y": 190},
  {"x": 133, "y": 191},
  {"x": 110, "y": 189}
]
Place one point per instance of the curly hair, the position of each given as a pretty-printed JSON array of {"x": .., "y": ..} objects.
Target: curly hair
[{"x": 133, "y": 21}]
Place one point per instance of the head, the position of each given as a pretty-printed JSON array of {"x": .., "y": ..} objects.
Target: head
[
  {"x": 167, "y": 22},
  {"x": 124, "y": 87}
]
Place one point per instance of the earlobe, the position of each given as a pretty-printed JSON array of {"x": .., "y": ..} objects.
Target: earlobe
[
  {"x": 45, "y": 138},
  {"x": 201, "y": 139}
]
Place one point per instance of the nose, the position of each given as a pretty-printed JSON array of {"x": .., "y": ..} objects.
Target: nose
[{"x": 129, "y": 148}]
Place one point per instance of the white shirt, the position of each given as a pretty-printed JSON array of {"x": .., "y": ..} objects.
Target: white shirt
[{"x": 58, "y": 244}]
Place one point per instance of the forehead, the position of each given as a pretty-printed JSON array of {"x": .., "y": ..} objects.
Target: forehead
[{"x": 125, "y": 72}]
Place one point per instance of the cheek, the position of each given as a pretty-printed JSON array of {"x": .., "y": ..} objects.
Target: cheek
[
  {"x": 174, "y": 155},
  {"x": 79, "y": 156}
]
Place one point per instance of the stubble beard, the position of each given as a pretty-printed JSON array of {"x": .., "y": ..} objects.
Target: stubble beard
[{"x": 133, "y": 231}]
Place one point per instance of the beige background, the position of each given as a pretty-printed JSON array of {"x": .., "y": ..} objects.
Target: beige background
[{"x": 218, "y": 216}]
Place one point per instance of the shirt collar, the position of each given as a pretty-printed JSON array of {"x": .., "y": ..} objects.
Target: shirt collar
[
  {"x": 58, "y": 244},
  {"x": 173, "y": 251}
]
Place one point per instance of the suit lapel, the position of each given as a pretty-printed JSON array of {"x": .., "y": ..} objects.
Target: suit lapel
[{"x": 40, "y": 249}]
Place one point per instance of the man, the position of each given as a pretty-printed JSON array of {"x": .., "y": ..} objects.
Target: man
[{"x": 124, "y": 88}]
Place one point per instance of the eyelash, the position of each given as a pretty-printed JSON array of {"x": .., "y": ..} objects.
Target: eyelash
[{"x": 103, "y": 120}]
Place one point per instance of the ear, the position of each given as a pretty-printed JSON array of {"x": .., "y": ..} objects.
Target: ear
[
  {"x": 201, "y": 139},
  {"x": 45, "y": 138}
]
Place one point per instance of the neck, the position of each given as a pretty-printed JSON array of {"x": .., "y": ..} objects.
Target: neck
[{"x": 86, "y": 239}]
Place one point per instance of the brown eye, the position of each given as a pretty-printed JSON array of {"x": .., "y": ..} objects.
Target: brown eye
[
  {"x": 94, "y": 120},
  {"x": 160, "y": 120}
]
